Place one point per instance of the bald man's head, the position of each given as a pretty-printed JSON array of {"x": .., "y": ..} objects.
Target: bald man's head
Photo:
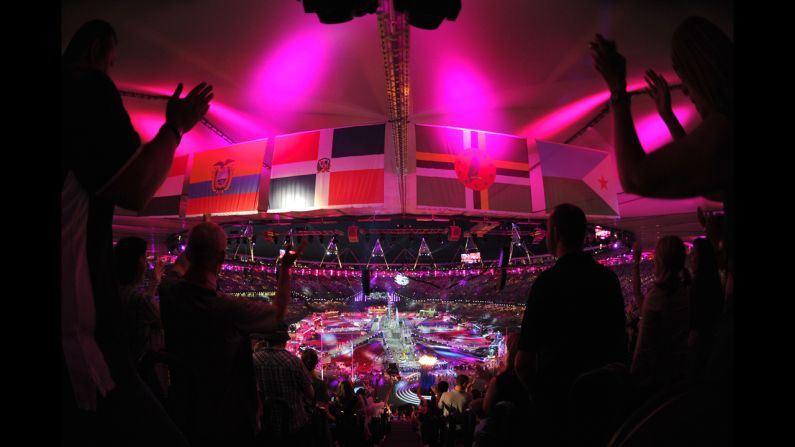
[{"x": 206, "y": 246}]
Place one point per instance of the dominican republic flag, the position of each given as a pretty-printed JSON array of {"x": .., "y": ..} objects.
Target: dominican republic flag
[
  {"x": 227, "y": 180},
  {"x": 580, "y": 176},
  {"x": 471, "y": 170},
  {"x": 167, "y": 198},
  {"x": 328, "y": 168}
]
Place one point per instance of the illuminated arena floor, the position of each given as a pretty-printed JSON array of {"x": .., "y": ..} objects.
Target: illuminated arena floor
[{"x": 363, "y": 345}]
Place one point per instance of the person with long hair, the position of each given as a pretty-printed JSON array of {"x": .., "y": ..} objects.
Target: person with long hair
[
  {"x": 702, "y": 56},
  {"x": 347, "y": 411},
  {"x": 141, "y": 312},
  {"x": 661, "y": 351}
]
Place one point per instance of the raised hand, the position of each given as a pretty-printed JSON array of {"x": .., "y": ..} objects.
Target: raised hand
[
  {"x": 659, "y": 90},
  {"x": 157, "y": 273},
  {"x": 184, "y": 113},
  {"x": 291, "y": 256},
  {"x": 636, "y": 252},
  {"x": 609, "y": 63}
]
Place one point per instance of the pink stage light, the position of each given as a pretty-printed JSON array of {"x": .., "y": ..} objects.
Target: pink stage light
[
  {"x": 652, "y": 131},
  {"x": 564, "y": 117},
  {"x": 237, "y": 119},
  {"x": 227, "y": 115},
  {"x": 288, "y": 76},
  {"x": 461, "y": 87}
]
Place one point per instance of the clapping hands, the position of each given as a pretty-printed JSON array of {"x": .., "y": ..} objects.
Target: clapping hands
[{"x": 184, "y": 113}]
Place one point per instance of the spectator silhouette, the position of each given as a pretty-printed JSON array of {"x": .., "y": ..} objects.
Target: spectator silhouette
[
  {"x": 283, "y": 382},
  {"x": 143, "y": 328},
  {"x": 207, "y": 335},
  {"x": 587, "y": 296},
  {"x": 430, "y": 418},
  {"x": 505, "y": 386},
  {"x": 457, "y": 399},
  {"x": 347, "y": 411},
  {"x": 104, "y": 164},
  {"x": 703, "y": 58},
  {"x": 661, "y": 351}
]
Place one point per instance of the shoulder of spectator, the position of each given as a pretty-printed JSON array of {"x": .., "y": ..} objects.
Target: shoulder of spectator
[{"x": 653, "y": 299}]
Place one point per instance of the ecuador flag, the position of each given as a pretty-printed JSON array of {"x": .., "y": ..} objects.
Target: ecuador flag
[{"x": 226, "y": 180}]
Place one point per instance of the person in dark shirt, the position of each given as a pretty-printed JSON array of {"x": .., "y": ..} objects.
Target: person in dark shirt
[
  {"x": 283, "y": 384},
  {"x": 317, "y": 407},
  {"x": 573, "y": 322},
  {"x": 143, "y": 329},
  {"x": 104, "y": 163},
  {"x": 208, "y": 339}
]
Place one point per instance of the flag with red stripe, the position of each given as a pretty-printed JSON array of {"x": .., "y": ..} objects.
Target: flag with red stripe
[
  {"x": 538, "y": 235},
  {"x": 329, "y": 168},
  {"x": 227, "y": 180},
  {"x": 167, "y": 198}
]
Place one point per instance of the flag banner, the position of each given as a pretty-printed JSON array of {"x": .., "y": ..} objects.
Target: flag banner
[
  {"x": 470, "y": 170},
  {"x": 329, "y": 168},
  {"x": 538, "y": 235},
  {"x": 581, "y": 176},
  {"x": 226, "y": 181},
  {"x": 168, "y": 197}
]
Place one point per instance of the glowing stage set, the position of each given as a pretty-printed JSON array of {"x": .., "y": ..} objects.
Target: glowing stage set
[{"x": 383, "y": 345}]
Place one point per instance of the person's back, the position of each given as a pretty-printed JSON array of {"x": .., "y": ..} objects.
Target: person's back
[
  {"x": 573, "y": 322},
  {"x": 577, "y": 321},
  {"x": 347, "y": 410},
  {"x": 211, "y": 370},
  {"x": 208, "y": 338},
  {"x": 661, "y": 354},
  {"x": 453, "y": 401},
  {"x": 283, "y": 380}
]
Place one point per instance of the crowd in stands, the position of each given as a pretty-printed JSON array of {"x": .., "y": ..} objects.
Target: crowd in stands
[
  {"x": 574, "y": 374},
  {"x": 454, "y": 288},
  {"x": 482, "y": 407}
]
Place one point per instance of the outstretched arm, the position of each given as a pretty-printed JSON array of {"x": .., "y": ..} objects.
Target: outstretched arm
[
  {"x": 283, "y": 283},
  {"x": 694, "y": 165},
  {"x": 157, "y": 275}
]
